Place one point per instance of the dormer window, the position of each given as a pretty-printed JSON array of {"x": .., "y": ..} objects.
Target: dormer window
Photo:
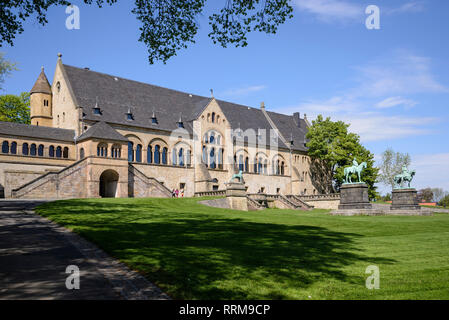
[
  {"x": 96, "y": 109},
  {"x": 153, "y": 118},
  {"x": 129, "y": 115},
  {"x": 180, "y": 122}
]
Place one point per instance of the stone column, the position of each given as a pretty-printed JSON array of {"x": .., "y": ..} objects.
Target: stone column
[{"x": 236, "y": 196}]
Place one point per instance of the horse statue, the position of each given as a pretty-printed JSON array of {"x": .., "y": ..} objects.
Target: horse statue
[
  {"x": 238, "y": 176},
  {"x": 405, "y": 176},
  {"x": 356, "y": 168}
]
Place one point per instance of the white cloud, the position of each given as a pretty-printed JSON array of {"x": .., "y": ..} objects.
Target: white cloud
[
  {"x": 403, "y": 73},
  {"x": 432, "y": 170},
  {"x": 243, "y": 91},
  {"x": 412, "y": 6},
  {"x": 331, "y": 10},
  {"x": 394, "y": 102},
  {"x": 376, "y": 127},
  {"x": 387, "y": 81}
]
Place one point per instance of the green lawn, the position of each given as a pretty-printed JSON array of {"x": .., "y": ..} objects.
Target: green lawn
[{"x": 196, "y": 252}]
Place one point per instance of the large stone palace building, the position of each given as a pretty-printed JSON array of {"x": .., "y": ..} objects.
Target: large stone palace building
[{"x": 97, "y": 135}]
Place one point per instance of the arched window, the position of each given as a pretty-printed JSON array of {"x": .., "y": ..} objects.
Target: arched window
[
  {"x": 255, "y": 165},
  {"x": 174, "y": 156},
  {"x": 150, "y": 154},
  {"x": 130, "y": 151},
  {"x": 213, "y": 163},
  {"x": 188, "y": 161},
  {"x": 25, "y": 149},
  {"x": 102, "y": 150},
  {"x": 157, "y": 154},
  {"x": 259, "y": 166},
  {"x": 246, "y": 164},
  {"x": 51, "y": 151},
  {"x": 277, "y": 167},
  {"x": 82, "y": 154},
  {"x": 139, "y": 153},
  {"x": 212, "y": 138},
  {"x": 65, "y": 153},
  {"x": 5, "y": 147},
  {"x": 58, "y": 152},
  {"x": 241, "y": 165},
  {"x": 181, "y": 157},
  {"x": 14, "y": 148},
  {"x": 213, "y": 117},
  {"x": 220, "y": 158},
  {"x": 40, "y": 150},
  {"x": 282, "y": 168},
  {"x": 116, "y": 151},
  {"x": 164, "y": 156},
  {"x": 33, "y": 150},
  {"x": 204, "y": 155},
  {"x": 265, "y": 167}
]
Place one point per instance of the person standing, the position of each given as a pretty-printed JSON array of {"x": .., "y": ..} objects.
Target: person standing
[{"x": 177, "y": 193}]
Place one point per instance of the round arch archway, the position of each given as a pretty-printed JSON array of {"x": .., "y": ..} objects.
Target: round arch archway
[{"x": 108, "y": 184}]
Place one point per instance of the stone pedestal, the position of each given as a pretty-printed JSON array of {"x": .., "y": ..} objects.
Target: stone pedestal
[
  {"x": 354, "y": 196},
  {"x": 405, "y": 199},
  {"x": 236, "y": 196}
]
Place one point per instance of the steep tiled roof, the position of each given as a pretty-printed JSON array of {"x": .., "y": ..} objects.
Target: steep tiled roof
[
  {"x": 288, "y": 128},
  {"x": 102, "y": 130},
  {"x": 26, "y": 130},
  {"x": 115, "y": 96},
  {"x": 41, "y": 85}
]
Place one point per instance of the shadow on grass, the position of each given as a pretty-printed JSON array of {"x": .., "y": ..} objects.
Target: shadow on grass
[{"x": 204, "y": 256}]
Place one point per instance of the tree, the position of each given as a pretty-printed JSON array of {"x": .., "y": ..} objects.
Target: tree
[
  {"x": 445, "y": 201},
  {"x": 391, "y": 165},
  {"x": 166, "y": 26},
  {"x": 15, "y": 108},
  {"x": 5, "y": 67},
  {"x": 332, "y": 148},
  {"x": 425, "y": 195},
  {"x": 438, "y": 194}
]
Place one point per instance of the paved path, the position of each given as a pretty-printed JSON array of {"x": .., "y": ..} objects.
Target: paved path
[{"x": 34, "y": 254}]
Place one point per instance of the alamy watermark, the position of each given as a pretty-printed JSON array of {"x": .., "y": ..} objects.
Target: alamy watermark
[
  {"x": 372, "y": 22},
  {"x": 73, "y": 280},
  {"x": 73, "y": 20},
  {"x": 373, "y": 281}
]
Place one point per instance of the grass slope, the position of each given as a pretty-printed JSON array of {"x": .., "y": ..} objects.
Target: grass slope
[{"x": 196, "y": 252}]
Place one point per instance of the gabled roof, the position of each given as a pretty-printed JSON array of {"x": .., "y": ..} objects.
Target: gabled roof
[
  {"x": 288, "y": 128},
  {"x": 101, "y": 130},
  {"x": 41, "y": 85},
  {"x": 39, "y": 132},
  {"x": 115, "y": 96}
]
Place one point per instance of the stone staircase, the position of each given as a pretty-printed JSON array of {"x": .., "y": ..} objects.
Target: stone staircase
[
  {"x": 55, "y": 185},
  {"x": 297, "y": 201},
  {"x": 142, "y": 186}
]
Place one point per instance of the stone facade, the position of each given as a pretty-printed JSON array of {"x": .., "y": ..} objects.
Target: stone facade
[
  {"x": 405, "y": 199},
  {"x": 354, "y": 196},
  {"x": 197, "y": 160}
]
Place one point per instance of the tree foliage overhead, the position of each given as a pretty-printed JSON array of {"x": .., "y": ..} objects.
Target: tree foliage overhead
[
  {"x": 391, "y": 165},
  {"x": 332, "y": 148},
  {"x": 167, "y": 25},
  {"x": 5, "y": 68},
  {"x": 15, "y": 108}
]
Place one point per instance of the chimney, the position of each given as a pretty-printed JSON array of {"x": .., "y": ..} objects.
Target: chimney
[{"x": 297, "y": 119}]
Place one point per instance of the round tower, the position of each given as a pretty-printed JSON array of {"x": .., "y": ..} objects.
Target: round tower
[{"x": 41, "y": 108}]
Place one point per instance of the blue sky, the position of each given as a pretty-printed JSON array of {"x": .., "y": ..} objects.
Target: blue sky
[{"x": 391, "y": 84}]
